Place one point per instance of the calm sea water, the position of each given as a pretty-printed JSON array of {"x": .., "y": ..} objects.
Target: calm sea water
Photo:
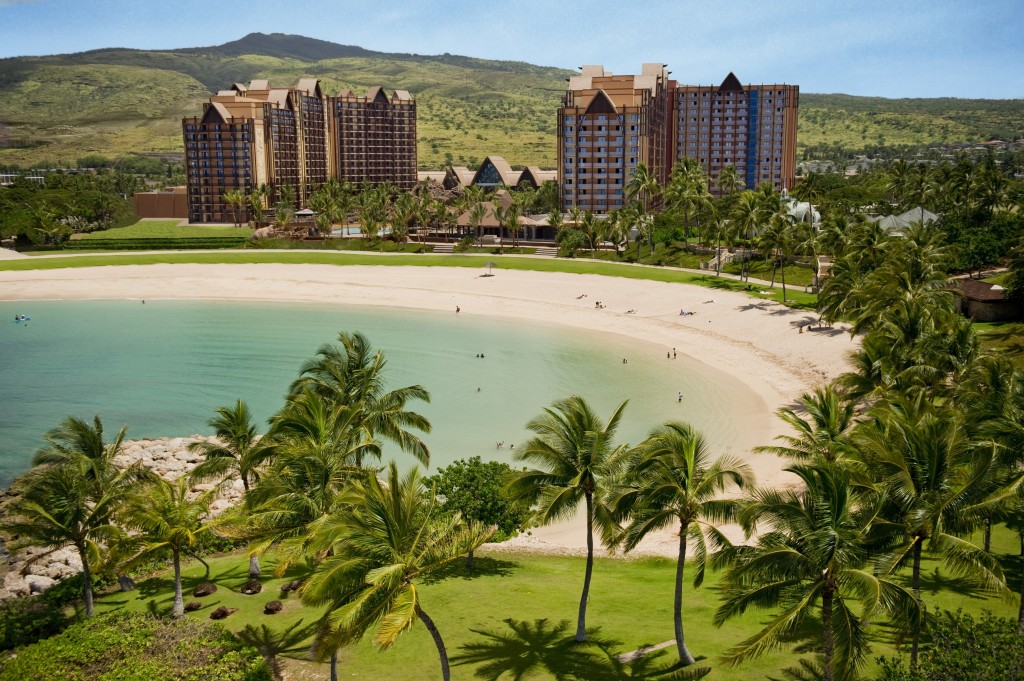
[{"x": 163, "y": 367}]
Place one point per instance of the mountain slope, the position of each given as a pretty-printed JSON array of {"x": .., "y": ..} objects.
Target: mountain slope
[{"x": 118, "y": 101}]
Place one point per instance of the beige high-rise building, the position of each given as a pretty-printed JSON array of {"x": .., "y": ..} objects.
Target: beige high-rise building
[
  {"x": 294, "y": 138},
  {"x": 375, "y": 137},
  {"x": 607, "y": 125},
  {"x": 751, "y": 127}
]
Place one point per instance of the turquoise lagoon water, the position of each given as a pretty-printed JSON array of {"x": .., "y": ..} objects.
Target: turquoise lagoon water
[{"x": 161, "y": 368}]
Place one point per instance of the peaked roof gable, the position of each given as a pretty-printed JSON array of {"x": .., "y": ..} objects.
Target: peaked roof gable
[
  {"x": 731, "y": 82},
  {"x": 215, "y": 113},
  {"x": 601, "y": 104}
]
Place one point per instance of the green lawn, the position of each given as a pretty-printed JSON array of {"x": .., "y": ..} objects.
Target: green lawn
[
  {"x": 1005, "y": 339},
  {"x": 796, "y": 298},
  {"x": 630, "y": 606},
  {"x": 164, "y": 229}
]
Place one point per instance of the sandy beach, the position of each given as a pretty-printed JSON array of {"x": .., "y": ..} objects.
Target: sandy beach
[{"x": 756, "y": 341}]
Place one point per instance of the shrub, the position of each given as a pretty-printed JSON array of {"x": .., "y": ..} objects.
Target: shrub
[
  {"x": 962, "y": 649},
  {"x": 130, "y": 647}
]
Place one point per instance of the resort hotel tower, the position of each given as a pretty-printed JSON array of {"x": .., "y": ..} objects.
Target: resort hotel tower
[
  {"x": 609, "y": 124},
  {"x": 294, "y": 137}
]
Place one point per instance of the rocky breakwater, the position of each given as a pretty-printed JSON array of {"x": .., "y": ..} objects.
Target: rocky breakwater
[{"x": 33, "y": 570}]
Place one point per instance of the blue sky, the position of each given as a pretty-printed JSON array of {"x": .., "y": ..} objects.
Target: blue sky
[{"x": 892, "y": 48}]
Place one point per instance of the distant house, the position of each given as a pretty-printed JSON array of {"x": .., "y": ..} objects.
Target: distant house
[
  {"x": 985, "y": 302},
  {"x": 899, "y": 224}
]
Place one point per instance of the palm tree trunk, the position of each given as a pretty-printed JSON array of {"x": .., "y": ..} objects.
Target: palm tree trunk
[
  {"x": 783, "y": 280},
  {"x": 826, "y": 628},
  {"x": 334, "y": 665},
  {"x": 179, "y": 603},
  {"x": 581, "y": 622},
  {"x": 677, "y": 609},
  {"x": 441, "y": 651},
  {"x": 206, "y": 576},
  {"x": 718, "y": 256},
  {"x": 254, "y": 567},
  {"x": 916, "y": 586},
  {"x": 86, "y": 581}
]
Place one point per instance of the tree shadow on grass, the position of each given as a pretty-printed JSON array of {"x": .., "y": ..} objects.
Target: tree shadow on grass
[
  {"x": 933, "y": 582},
  {"x": 273, "y": 644},
  {"x": 483, "y": 566},
  {"x": 722, "y": 283},
  {"x": 529, "y": 648}
]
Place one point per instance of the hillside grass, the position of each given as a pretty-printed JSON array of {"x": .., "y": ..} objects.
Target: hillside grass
[
  {"x": 630, "y": 606},
  {"x": 796, "y": 298},
  {"x": 115, "y": 102}
]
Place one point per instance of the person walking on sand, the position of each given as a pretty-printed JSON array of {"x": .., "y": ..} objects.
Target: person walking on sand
[
  {"x": 680, "y": 398},
  {"x": 673, "y": 353},
  {"x": 457, "y": 310}
]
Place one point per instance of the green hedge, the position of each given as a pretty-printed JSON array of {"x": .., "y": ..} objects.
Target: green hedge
[
  {"x": 137, "y": 648},
  {"x": 153, "y": 244}
]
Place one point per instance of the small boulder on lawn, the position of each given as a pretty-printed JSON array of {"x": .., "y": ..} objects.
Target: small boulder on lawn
[
  {"x": 222, "y": 612},
  {"x": 192, "y": 606},
  {"x": 204, "y": 589},
  {"x": 272, "y": 608},
  {"x": 251, "y": 587}
]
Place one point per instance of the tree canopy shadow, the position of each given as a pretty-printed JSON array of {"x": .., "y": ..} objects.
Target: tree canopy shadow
[
  {"x": 483, "y": 566},
  {"x": 273, "y": 644},
  {"x": 540, "y": 646}
]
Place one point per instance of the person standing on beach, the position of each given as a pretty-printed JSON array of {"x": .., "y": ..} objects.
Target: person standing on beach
[
  {"x": 457, "y": 310},
  {"x": 680, "y": 399}
]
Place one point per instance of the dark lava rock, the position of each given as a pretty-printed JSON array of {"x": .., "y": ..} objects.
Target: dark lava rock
[
  {"x": 251, "y": 587},
  {"x": 272, "y": 608},
  {"x": 222, "y": 612},
  {"x": 192, "y": 605},
  {"x": 204, "y": 589}
]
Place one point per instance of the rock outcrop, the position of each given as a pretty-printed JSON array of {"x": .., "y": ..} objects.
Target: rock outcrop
[{"x": 167, "y": 457}]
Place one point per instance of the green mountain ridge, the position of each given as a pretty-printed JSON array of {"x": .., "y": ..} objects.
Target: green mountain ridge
[{"x": 117, "y": 101}]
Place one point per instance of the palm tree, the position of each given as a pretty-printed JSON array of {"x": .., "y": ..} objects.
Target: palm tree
[
  {"x": 746, "y": 220},
  {"x": 165, "y": 519},
  {"x": 258, "y": 202},
  {"x": 815, "y": 552},
  {"x": 236, "y": 199},
  {"x": 59, "y": 507},
  {"x": 72, "y": 493},
  {"x": 238, "y": 453},
  {"x": 643, "y": 185},
  {"x": 777, "y": 239},
  {"x": 80, "y": 445},
  {"x": 574, "y": 456},
  {"x": 352, "y": 374},
  {"x": 325, "y": 205},
  {"x": 317, "y": 453},
  {"x": 673, "y": 481},
  {"x": 937, "y": 481},
  {"x": 388, "y": 535},
  {"x": 824, "y": 435},
  {"x": 729, "y": 180},
  {"x": 477, "y": 214}
]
